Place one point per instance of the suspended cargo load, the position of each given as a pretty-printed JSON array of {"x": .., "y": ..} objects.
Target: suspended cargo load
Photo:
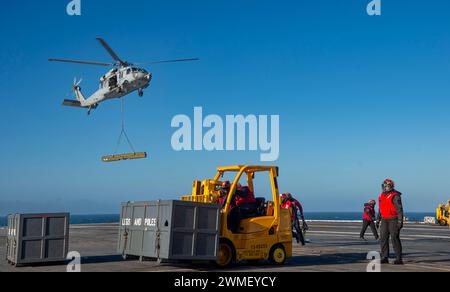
[
  {"x": 121, "y": 157},
  {"x": 123, "y": 134}
]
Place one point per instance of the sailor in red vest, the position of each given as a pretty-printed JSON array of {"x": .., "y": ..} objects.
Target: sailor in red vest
[
  {"x": 288, "y": 202},
  {"x": 244, "y": 205},
  {"x": 391, "y": 216},
  {"x": 369, "y": 219},
  {"x": 245, "y": 196},
  {"x": 224, "y": 190}
]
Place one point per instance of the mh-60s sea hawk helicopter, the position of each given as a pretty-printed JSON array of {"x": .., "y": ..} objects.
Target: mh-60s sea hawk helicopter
[{"x": 122, "y": 80}]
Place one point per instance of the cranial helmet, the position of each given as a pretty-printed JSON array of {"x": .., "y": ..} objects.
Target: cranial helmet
[
  {"x": 388, "y": 186},
  {"x": 285, "y": 197},
  {"x": 226, "y": 184}
]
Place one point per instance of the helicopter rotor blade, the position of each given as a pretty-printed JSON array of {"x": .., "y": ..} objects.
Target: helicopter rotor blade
[
  {"x": 111, "y": 52},
  {"x": 82, "y": 62},
  {"x": 171, "y": 61}
]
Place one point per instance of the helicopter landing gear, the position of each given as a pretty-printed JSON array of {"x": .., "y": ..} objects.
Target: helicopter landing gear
[
  {"x": 91, "y": 108},
  {"x": 140, "y": 92}
]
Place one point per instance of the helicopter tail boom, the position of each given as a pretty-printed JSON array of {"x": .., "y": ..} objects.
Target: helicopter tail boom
[{"x": 80, "y": 96}]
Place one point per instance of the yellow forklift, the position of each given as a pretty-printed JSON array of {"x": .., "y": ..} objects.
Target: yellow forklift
[
  {"x": 266, "y": 235},
  {"x": 442, "y": 214}
]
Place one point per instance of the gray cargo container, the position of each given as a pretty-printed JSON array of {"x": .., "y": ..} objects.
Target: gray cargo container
[
  {"x": 37, "y": 238},
  {"x": 169, "y": 230}
]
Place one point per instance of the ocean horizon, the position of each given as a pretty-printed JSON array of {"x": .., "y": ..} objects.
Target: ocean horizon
[{"x": 314, "y": 216}]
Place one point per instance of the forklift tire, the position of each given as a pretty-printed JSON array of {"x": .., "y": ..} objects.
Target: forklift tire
[
  {"x": 227, "y": 254},
  {"x": 277, "y": 255},
  {"x": 442, "y": 223}
]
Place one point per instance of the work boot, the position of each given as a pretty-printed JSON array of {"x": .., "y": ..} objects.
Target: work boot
[
  {"x": 384, "y": 261},
  {"x": 362, "y": 238},
  {"x": 399, "y": 262},
  {"x": 296, "y": 236}
]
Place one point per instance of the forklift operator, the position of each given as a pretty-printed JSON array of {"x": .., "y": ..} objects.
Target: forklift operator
[
  {"x": 224, "y": 190},
  {"x": 245, "y": 196},
  {"x": 243, "y": 206}
]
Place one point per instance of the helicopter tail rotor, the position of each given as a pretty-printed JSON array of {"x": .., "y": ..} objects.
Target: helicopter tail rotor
[
  {"x": 76, "y": 84},
  {"x": 77, "y": 90}
]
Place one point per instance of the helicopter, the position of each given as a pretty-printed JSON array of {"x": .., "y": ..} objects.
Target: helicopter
[{"x": 123, "y": 79}]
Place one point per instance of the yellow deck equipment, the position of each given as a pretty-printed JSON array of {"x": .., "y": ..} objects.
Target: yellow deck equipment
[
  {"x": 266, "y": 236},
  {"x": 443, "y": 214}
]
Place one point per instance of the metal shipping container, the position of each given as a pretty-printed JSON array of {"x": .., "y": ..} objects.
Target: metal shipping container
[
  {"x": 37, "y": 238},
  {"x": 169, "y": 230}
]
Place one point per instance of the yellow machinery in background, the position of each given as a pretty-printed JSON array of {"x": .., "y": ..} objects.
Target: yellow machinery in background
[
  {"x": 443, "y": 214},
  {"x": 266, "y": 236}
]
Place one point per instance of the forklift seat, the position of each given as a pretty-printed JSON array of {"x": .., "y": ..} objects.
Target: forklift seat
[
  {"x": 261, "y": 206},
  {"x": 258, "y": 209}
]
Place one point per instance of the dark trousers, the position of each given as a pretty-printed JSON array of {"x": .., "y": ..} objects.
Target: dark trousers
[
  {"x": 234, "y": 218},
  {"x": 389, "y": 228},
  {"x": 239, "y": 213},
  {"x": 366, "y": 224},
  {"x": 298, "y": 232}
]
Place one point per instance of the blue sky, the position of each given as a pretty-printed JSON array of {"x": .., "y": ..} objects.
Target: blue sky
[{"x": 360, "y": 98}]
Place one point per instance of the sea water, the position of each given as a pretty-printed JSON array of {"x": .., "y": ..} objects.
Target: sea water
[{"x": 312, "y": 216}]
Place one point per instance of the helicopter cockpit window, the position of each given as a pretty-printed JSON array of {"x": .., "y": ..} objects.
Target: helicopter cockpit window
[
  {"x": 128, "y": 71},
  {"x": 113, "y": 81}
]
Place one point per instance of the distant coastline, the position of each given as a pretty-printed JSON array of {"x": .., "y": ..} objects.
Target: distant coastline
[{"x": 311, "y": 216}]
